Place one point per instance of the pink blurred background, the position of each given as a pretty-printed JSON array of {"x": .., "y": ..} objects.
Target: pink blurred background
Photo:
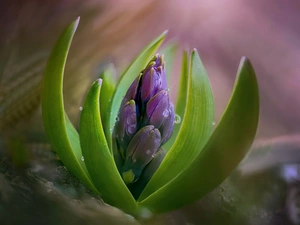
[{"x": 115, "y": 31}]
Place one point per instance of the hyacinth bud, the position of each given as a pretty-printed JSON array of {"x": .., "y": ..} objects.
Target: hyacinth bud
[
  {"x": 126, "y": 126},
  {"x": 147, "y": 173},
  {"x": 141, "y": 150},
  {"x": 145, "y": 120}
]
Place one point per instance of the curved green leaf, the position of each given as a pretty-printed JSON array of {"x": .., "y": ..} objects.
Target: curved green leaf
[
  {"x": 181, "y": 100},
  {"x": 196, "y": 128},
  {"x": 128, "y": 77},
  {"x": 98, "y": 158},
  {"x": 225, "y": 149},
  {"x": 108, "y": 77},
  {"x": 61, "y": 133},
  {"x": 169, "y": 52}
]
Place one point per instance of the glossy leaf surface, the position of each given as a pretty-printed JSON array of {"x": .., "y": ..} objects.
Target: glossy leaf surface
[
  {"x": 181, "y": 100},
  {"x": 98, "y": 158},
  {"x": 61, "y": 133},
  {"x": 108, "y": 77}
]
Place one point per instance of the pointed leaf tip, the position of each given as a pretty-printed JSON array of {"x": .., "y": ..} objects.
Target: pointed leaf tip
[
  {"x": 76, "y": 23},
  {"x": 60, "y": 131},
  {"x": 165, "y": 33},
  {"x": 99, "y": 81}
]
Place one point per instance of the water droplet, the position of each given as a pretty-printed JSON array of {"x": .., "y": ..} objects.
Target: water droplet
[
  {"x": 153, "y": 155},
  {"x": 117, "y": 119},
  {"x": 80, "y": 108},
  {"x": 148, "y": 151},
  {"x": 168, "y": 90},
  {"x": 134, "y": 160},
  {"x": 131, "y": 128},
  {"x": 214, "y": 123},
  {"x": 166, "y": 113},
  {"x": 177, "y": 119},
  {"x": 82, "y": 158}
]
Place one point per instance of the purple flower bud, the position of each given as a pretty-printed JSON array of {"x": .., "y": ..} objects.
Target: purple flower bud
[
  {"x": 158, "y": 108},
  {"x": 126, "y": 125},
  {"x": 145, "y": 121},
  {"x": 153, "y": 79},
  {"x": 141, "y": 150},
  {"x": 147, "y": 173},
  {"x": 167, "y": 126},
  {"x": 160, "y": 113}
]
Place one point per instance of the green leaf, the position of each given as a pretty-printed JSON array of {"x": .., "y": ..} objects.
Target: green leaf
[
  {"x": 181, "y": 100},
  {"x": 129, "y": 75},
  {"x": 169, "y": 52},
  {"x": 61, "y": 133},
  {"x": 196, "y": 128},
  {"x": 108, "y": 77},
  {"x": 225, "y": 149},
  {"x": 98, "y": 158}
]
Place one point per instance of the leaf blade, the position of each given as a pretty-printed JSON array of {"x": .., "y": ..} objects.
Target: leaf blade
[
  {"x": 61, "y": 133},
  {"x": 98, "y": 158},
  {"x": 108, "y": 87},
  {"x": 234, "y": 133},
  {"x": 194, "y": 132},
  {"x": 181, "y": 100},
  {"x": 169, "y": 52}
]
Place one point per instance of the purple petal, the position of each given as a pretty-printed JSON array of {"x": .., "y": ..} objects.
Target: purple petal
[
  {"x": 142, "y": 149},
  {"x": 150, "y": 84},
  {"x": 167, "y": 126},
  {"x": 158, "y": 108},
  {"x": 126, "y": 124}
]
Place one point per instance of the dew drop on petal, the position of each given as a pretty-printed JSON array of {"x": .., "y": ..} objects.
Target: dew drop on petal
[
  {"x": 153, "y": 155},
  {"x": 168, "y": 90},
  {"x": 80, "y": 108},
  {"x": 82, "y": 158},
  {"x": 177, "y": 119},
  {"x": 166, "y": 113}
]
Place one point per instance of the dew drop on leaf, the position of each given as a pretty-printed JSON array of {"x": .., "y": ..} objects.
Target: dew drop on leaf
[
  {"x": 214, "y": 123},
  {"x": 82, "y": 158},
  {"x": 177, "y": 119},
  {"x": 80, "y": 108}
]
